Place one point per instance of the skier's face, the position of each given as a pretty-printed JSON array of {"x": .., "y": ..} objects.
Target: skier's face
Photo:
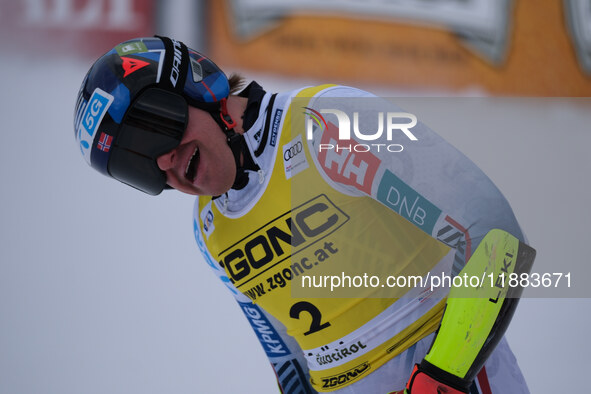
[{"x": 203, "y": 163}]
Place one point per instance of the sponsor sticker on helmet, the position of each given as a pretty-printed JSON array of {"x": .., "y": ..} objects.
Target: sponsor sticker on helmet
[
  {"x": 128, "y": 48},
  {"x": 131, "y": 65},
  {"x": 196, "y": 70},
  {"x": 105, "y": 142},
  {"x": 97, "y": 107}
]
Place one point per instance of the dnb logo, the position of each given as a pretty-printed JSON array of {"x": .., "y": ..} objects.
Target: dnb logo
[
  {"x": 281, "y": 238},
  {"x": 95, "y": 110}
]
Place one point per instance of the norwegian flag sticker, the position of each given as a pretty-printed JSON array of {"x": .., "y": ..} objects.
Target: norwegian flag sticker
[{"x": 104, "y": 142}]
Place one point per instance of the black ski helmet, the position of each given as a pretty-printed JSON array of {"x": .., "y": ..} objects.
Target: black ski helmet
[{"x": 132, "y": 107}]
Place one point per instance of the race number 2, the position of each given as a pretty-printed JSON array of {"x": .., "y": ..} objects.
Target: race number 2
[{"x": 304, "y": 306}]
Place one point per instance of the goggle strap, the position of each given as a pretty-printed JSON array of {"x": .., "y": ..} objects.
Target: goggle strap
[
  {"x": 176, "y": 65},
  {"x": 228, "y": 121},
  {"x": 236, "y": 143}
]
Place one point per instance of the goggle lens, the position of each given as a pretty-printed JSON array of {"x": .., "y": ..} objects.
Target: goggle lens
[{"x": 153, "y": 125}]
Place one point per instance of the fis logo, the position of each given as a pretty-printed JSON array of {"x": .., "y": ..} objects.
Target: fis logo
[{"x": 314, "y": 117}]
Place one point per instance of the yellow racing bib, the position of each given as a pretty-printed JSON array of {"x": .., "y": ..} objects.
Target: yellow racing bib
[{"x": 291, "y": 234}]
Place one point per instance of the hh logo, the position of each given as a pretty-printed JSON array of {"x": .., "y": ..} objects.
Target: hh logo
[{"x": 357, "y": 169}]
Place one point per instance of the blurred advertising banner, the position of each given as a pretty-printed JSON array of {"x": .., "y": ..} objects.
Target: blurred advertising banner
[
  {"x": 515, "y": 47},
  {"x": 87, "y": 27}
]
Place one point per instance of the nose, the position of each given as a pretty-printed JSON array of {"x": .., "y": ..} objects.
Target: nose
[{"x": 166, "y": 161}]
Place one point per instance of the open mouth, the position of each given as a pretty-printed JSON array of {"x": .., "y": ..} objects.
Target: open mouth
[{"x": 191, "y": 170}]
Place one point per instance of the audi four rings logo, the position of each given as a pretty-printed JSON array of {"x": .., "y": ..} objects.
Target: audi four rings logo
[{"x": 293, "y": 151}]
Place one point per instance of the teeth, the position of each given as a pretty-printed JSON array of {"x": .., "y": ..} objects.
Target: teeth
[
  {"x": 191, "y": 170},
  {"x": 190, "y": 159}
]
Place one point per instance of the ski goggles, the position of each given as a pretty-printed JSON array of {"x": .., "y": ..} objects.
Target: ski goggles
[{"x": 153, "y": 125}]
